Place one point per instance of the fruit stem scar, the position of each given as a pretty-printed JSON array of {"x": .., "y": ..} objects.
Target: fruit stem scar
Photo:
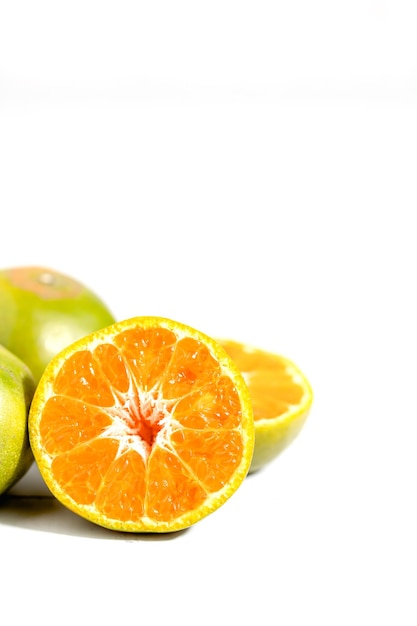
[{"x": 46, "y": 278}]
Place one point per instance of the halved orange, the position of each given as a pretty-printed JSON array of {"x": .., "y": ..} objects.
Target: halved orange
[
  {"x": 281, "y": 398},
  {"x": 144, "y": 426}
]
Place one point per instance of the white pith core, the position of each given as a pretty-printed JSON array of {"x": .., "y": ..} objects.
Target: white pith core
[{"x": 140, "y": 420}]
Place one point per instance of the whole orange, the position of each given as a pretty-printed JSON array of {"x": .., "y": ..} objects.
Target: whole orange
[
  {"x": 16, "y": 392},
  {"x": 42, "y": 311}
]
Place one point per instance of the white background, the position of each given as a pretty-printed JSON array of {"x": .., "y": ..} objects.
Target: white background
[{"x": 248, "y": 168}]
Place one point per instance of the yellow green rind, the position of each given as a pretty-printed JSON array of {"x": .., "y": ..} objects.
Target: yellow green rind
[
  {"x": 35, "y": 327},
  {"x": 17, "y": 387},
  {"x": 273, "y": 436},
  {"x": 145, "y": 525}
]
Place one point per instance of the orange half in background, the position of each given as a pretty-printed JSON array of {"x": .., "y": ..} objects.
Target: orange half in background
[{"x": 281, "y": 398}]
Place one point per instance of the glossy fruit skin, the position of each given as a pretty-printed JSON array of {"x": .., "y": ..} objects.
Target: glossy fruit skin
[
  {"x": 42, "y": 311},
  {"x": 17, "y": 387}
]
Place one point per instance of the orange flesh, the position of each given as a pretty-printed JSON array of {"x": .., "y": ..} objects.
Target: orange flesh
[
  {"x": 269, "y": 378},
  {"x": 144, "y": 425}
]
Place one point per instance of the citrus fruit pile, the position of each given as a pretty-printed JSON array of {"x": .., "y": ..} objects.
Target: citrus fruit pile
[{"x": 139, "y": 425}]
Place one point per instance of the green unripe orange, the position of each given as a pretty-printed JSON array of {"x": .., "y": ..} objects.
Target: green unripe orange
[
  {"x": 42, "y": 311},
  {"x": 17, "y": 387}
]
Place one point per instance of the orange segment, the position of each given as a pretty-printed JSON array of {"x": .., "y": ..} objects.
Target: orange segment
[
  {"x": 67, "y": 423},
  {"x": 214, "y": 406},
  {"x": 281, "y": 398},
  {"x": 147, "y": 353},
  {"x": 146, "y": 425},
  {"x": 81, "y": 471},
  {"x": 210, "y": 457},
  {"x": 172, "y": 491},
  {"x": 122, "y": 495},
  {"x": 79, "y": 377}
]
